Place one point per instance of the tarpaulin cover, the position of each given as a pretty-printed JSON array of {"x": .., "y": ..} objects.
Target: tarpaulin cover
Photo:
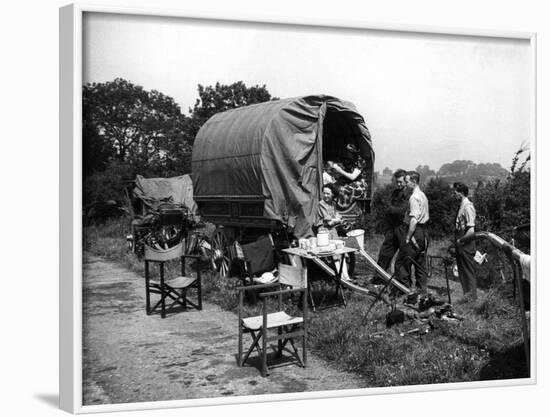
[
  {"x": 178, "y": 190},
  {"x": 272, "y": 150}
]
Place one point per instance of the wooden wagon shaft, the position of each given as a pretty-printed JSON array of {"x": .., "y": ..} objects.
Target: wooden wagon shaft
[
  {"x": 384, "y": 275},
  {"x": 324, "y": 267},
  {"x": 358, "y": 288},
  {"x": 511, "y": 251}
]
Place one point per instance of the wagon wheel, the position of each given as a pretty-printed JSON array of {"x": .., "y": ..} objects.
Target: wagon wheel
[{"x": 219, "y": 256}]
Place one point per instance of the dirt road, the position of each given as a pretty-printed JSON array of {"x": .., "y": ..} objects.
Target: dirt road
[{"x": 131, "y": 357}]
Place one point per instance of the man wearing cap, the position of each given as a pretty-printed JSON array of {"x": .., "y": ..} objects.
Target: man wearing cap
[
  {"x": 393, "y": 219},
  {"x": 415, "y": 238},
  {"x": 465, "y": 248}
]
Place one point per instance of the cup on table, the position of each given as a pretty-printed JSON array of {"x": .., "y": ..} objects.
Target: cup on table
[{"x": 312, "y": 242}]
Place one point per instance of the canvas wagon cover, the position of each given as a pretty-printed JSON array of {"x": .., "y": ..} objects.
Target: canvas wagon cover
[
  {"x": 272, "y": 151},
  {"x": 177, "y": 190}
]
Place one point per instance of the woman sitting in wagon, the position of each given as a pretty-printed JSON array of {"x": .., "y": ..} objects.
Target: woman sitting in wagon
[
  {"x": 330, "y": 219},
  {"x": 328, "y": 216},
  {"x": 350, "y": 180}
]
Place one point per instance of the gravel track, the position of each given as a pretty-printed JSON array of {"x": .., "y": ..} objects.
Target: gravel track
[{"x": 131, "y": 357}]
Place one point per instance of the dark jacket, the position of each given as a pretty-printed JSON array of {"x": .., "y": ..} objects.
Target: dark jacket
[{"x": 397, "y": 208}]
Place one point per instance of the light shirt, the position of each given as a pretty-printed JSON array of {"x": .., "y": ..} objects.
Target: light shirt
[
  {"x": 466, "y": 216},
  {"x": 328, "y": 178},
  {"x": 327, "y": 211},
  {"x": 418, "y": 207}
]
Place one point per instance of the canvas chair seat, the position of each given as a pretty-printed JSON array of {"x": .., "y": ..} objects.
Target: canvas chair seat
[
  {"x": 173, "y": 292},
  {"x": 292, "y": 281},
  {"x": 277, "y": 319},
  {"x": 178, "y": 282}
]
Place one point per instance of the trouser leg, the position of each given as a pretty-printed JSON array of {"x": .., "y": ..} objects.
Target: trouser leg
[
  {"x": 420, "y": 271},
  {"x": 466, "y": 268},
  {"x": 403, "y": 263},
  {"x": 388, "y": 249}
]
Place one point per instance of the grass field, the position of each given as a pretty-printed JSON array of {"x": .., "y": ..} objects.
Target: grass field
[{"x": 486, "y": 345}]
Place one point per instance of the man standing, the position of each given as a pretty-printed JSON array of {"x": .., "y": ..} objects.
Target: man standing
[
  {"x": 415, "y": 238},
  {"x": 465, "y": 251},
  {"x": 393, "y": 219}
]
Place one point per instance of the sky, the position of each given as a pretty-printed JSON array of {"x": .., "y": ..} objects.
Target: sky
[{"x": 426, "y": 99}]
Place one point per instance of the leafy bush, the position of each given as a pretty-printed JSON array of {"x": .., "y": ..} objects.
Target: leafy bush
[
  {"x": 107, "y": 184},
  {"x": 443, "y": 208},
  {"x": 503, "y": 206},
  {"x": 375, "y": 220}
]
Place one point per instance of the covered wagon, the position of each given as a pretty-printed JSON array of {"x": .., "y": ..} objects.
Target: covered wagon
[
  {"x": 260, "y": 167},
  {"x": 162, "y": 210}
]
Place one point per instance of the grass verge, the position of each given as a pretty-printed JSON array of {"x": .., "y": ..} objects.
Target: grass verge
[{"x": 486, "y": 345}]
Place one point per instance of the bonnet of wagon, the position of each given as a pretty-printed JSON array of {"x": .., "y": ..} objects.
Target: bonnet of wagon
[{"x": 273, "y": 152}]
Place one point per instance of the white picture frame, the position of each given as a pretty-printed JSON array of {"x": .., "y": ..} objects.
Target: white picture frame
[{"x": 70, "y": 261}]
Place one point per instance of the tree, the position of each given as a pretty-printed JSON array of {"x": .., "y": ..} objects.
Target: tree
[
  {"x": 458, "y": 167},
  {"x": 443, "y": 207},
  {"x": 97, "y": 151},
  {"x": 144, "y": 128},
  {"x": 489, "y": 169},
  {"x": 221, "y": 97},
  {"x": 503, "y": 205},
  {"x": 386, "y": 171},
  {"x": 425, "y": 172}
]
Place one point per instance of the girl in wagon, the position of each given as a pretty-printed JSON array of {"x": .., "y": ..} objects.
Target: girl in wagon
[{"x": 350, "y": 180}]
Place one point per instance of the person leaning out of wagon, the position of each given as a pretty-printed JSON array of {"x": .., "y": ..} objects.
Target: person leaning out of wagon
[
  {"x": 330, "y": 219},
  {"x": 328, "y": 173},
  {"x": 465, "y": 246},
  {"x": 349, "y": 169},
  {"x": 350, "y": 178}
]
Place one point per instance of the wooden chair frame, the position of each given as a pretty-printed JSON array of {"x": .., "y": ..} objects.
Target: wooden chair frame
[
  {"x": 287, "y": 330},
  {"x": 174, "y": 289}
]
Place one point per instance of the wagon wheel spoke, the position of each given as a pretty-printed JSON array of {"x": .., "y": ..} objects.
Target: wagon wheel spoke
[
  {"x": 224, "y": 269},
  {"x": 225, "y": 266},
  {"x": 213, "y": 262},
  {"x": 219, "y": 257}
]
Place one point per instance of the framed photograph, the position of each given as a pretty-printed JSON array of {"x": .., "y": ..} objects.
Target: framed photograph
[{"x": 263, "y": 210}]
